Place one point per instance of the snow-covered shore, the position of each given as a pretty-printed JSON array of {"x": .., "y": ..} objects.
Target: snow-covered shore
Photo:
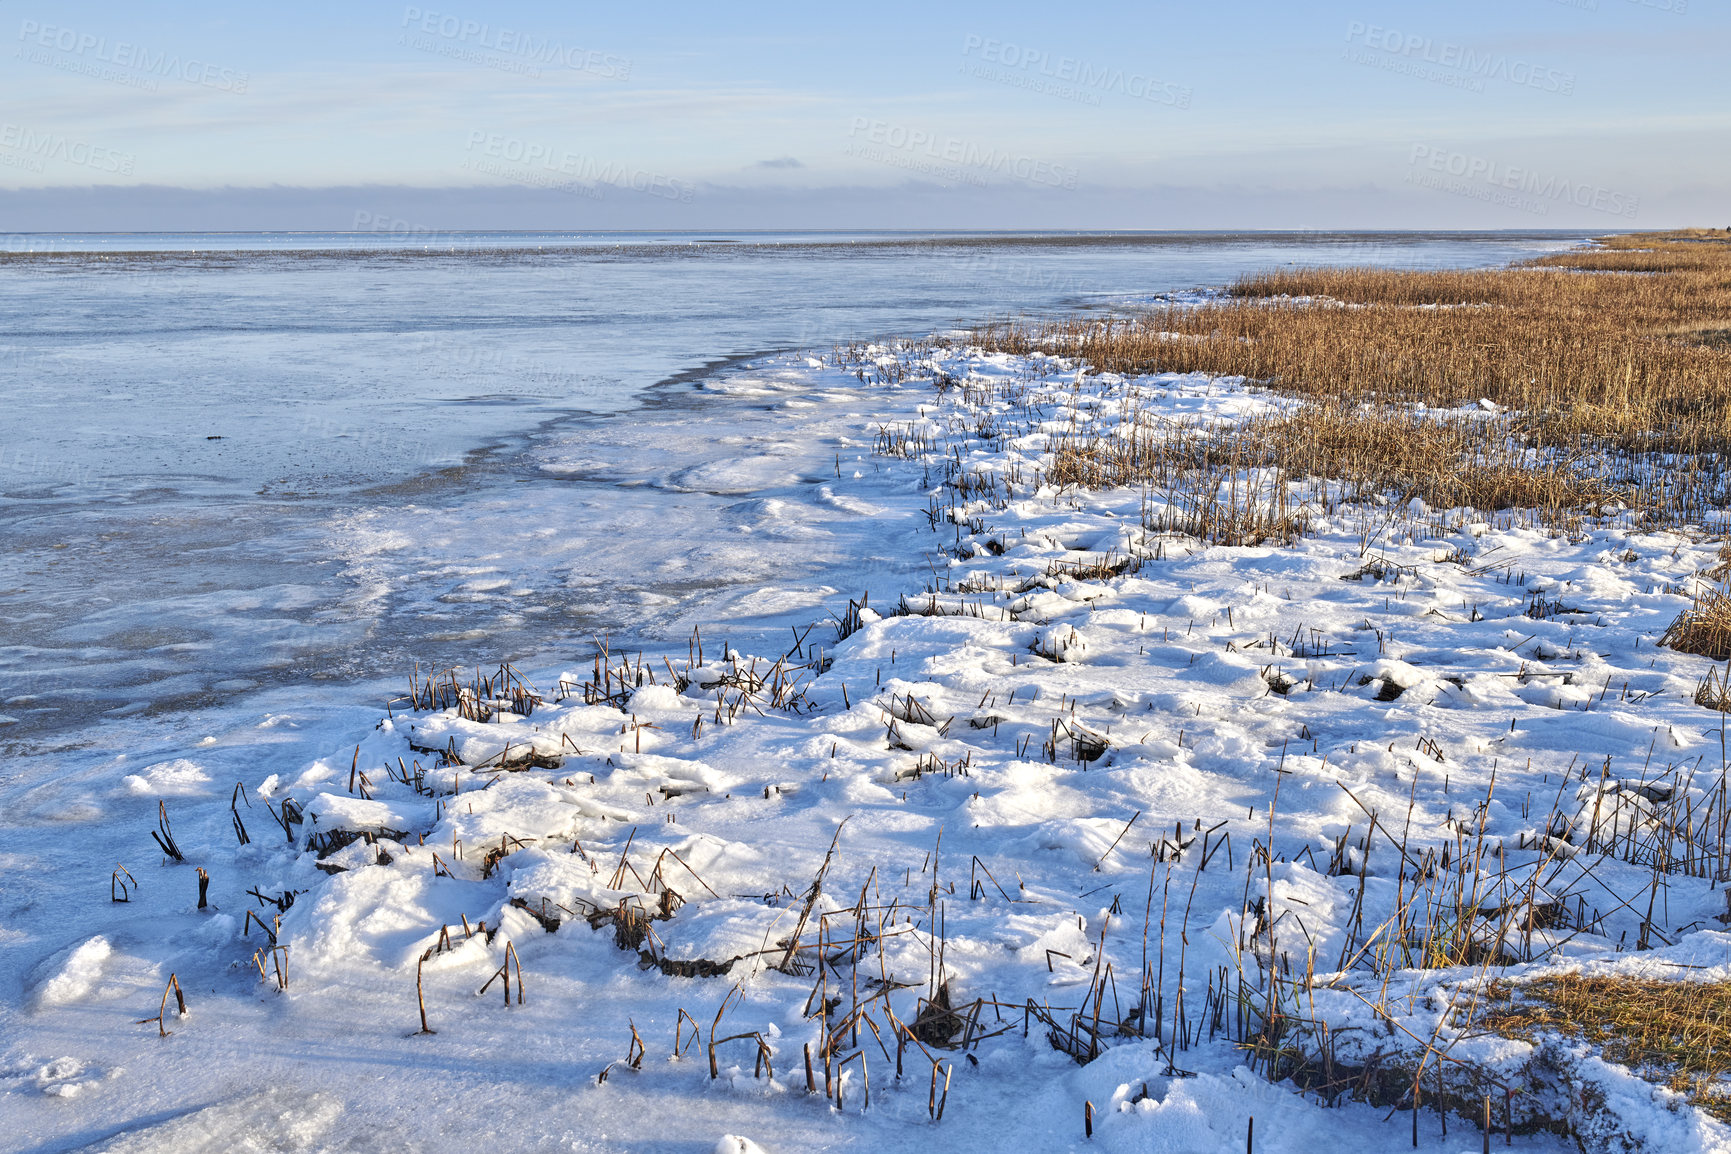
[{"x": 1072, "y": 742}]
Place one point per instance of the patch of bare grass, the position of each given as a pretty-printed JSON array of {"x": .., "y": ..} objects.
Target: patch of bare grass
[
  {"x": 1705, "y": 627},
  {"x": 1447, "y": 461},
  {"x": 1677, "y": 1033}
]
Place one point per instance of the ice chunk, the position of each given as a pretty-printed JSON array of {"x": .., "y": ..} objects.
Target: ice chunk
[
  {"x": 177, "y": 778},
  {"x": 78, "y": 975}
]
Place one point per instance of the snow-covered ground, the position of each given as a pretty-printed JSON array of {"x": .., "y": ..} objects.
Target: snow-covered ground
[{"x": 1072, "y": 737}]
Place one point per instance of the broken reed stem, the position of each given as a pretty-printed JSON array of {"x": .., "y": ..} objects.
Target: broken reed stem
[
  {"x": 811, "y": 897},
  {"x": 714, "y": 1028},
  {"x": 503, "y": 973},
  {"x": 420, "y": 995},
  {"x": 239, "y": 795},
  {"x": 164, "y": 836},
  {"x": 865, "y": 1078},
  {"x": 1116, "y": 840},
  {"x": 173, "y": 987},
  {"x": 678, "y": 1025},
  {"x": 635, "y": 1051}
]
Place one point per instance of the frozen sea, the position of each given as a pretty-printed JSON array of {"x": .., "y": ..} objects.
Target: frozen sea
[{"x": 235, "y": 463}]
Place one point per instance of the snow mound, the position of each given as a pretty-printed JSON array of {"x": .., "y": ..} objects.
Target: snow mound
[
  {"x": 734, "y": 1144},
  {"x": 78, "y": 975},
  {"x": 177, "y": 778}
]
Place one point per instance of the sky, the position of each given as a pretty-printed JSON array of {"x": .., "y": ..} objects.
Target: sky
[{"x": 1240, "y": 114}]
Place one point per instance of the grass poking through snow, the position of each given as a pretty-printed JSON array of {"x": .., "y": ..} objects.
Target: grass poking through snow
[{"x": 1677, "y": 1033}]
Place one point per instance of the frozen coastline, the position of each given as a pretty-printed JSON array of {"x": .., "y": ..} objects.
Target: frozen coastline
[{"x": 1046, "y": 727}]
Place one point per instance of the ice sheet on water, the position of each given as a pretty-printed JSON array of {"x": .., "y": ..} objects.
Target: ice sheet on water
[{"x": 272, "y": 1122}]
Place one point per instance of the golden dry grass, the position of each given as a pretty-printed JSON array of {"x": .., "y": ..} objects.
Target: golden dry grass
[
  {"x": 1447, "y": 461},
  {"x": 1722, "y": 571},
  {"x": 1601, "y": 360},
  {"x": 1714, "y": 692},
  {"x": 1578, "y": 350},
  {"x": 1705, "y": 627},
  {"x": 1675, "y": 1032}
]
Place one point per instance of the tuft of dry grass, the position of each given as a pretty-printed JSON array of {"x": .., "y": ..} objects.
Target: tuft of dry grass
[
  {"x": 1678, "y": 1033},
  {"x": 1448, "y": 461},
  {"x": 1722, "y": 571},
  {"x": 1705, "y": 627},
  {"x": 1714, "y": 692}
]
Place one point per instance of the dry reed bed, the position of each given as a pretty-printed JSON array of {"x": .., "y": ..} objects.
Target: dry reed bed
[
  {"x": 1608, "y": 370},
  {"x": 1704, "y": 628},
  {"x": 1448, "y": 461}
]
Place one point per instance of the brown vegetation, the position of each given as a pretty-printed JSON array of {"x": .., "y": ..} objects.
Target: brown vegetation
[
  {"x": 1675, "y": 1032},
  {"x": 1591, "y": 363},
  {"x": 1705, "y": 627},
  {"x": 1447, "y": 461}
]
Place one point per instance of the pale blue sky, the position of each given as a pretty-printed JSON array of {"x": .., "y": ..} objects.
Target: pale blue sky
[{"x": 1521, "y": 114}]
